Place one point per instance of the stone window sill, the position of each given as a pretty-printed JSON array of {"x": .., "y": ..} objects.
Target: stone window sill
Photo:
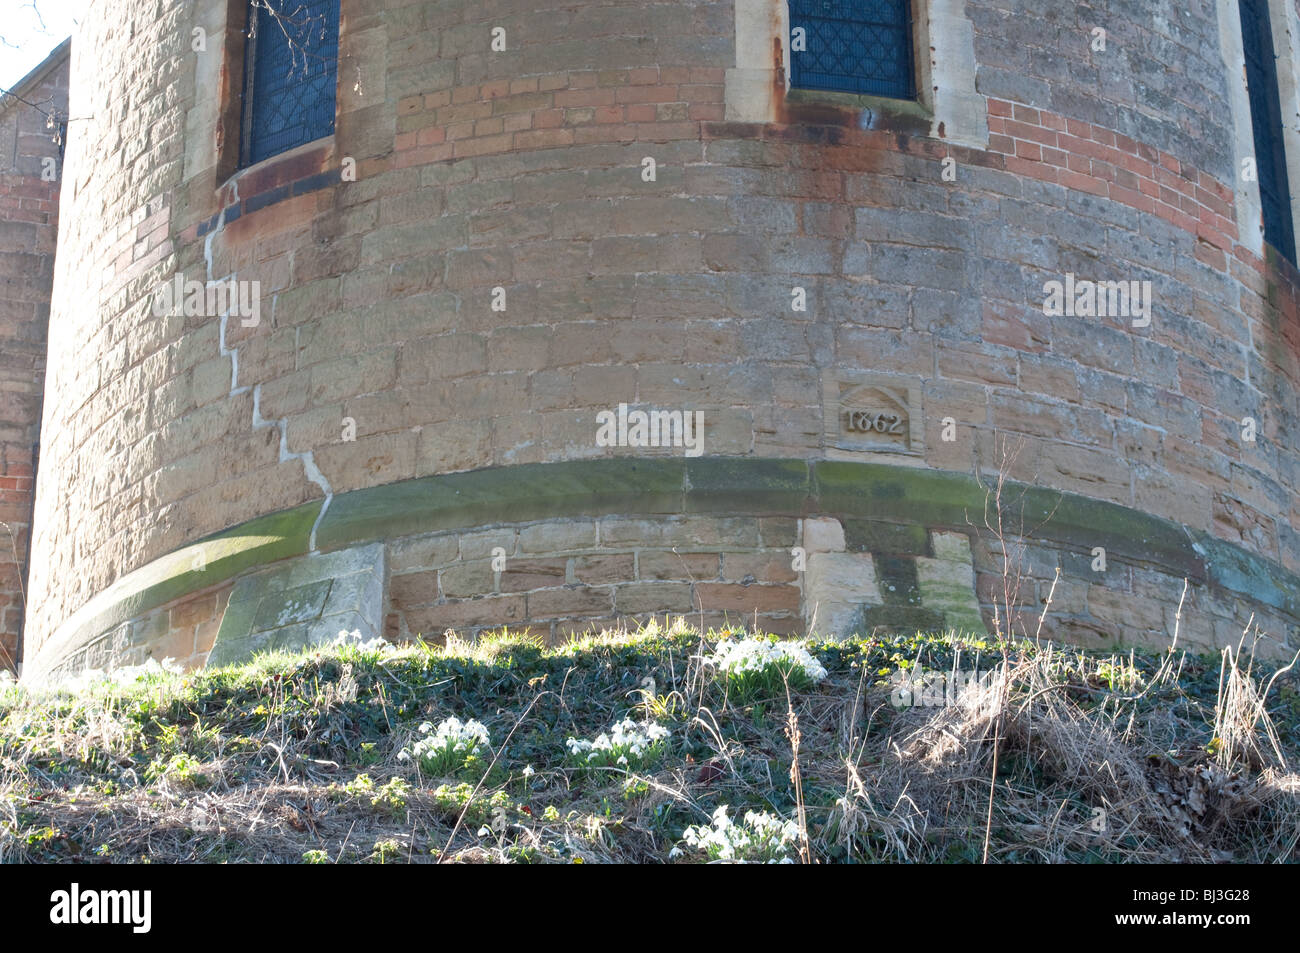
[
  {"x": 307, "y": 168},
  {"x": 905, "y": 116}
]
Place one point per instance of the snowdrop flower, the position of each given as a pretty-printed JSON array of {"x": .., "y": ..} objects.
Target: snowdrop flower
[
  {"x": 735, "y": 657},
  {"x": 122, "y": 677},
  {"x": 354, "y": 639},
  {"x": 760, "y": 837},
  {"x": 625, "y": 742},
  {"x": 450, "y": 744}
]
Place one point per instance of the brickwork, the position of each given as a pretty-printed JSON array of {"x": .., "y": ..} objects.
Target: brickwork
[
  {"x": 580, "y": 107},
  {"x": 565, "y": 577},
  {"x": 29, "y": 210},
  {"x": 180, "y": 633},
  {"x": 1083, "y": 156},
  {"x": 502, "y": 269},
  {"x": 1126, "y": 606},
  {"x": 1160, "y": 79}
]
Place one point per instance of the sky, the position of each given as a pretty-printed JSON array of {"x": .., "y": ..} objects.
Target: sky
[{"x": 29, "y": 30}]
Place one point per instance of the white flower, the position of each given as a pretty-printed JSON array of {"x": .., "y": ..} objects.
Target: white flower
[
  {"x": 735, "y": 657},
  {"x": 625, "y": 741},
  {"x": 528, "y": 771},
  {"x": 451, "y": 738},
  {"x": 759, "y": 837},
  {"x": 353, "y": 638},
  {"x": 122, "y": 677}
]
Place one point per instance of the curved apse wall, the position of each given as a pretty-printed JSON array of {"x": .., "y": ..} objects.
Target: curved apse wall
[{"x": 851, "y": 294}]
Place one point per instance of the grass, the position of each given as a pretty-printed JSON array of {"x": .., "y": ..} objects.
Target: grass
[{"x": 1060, "y": 756}]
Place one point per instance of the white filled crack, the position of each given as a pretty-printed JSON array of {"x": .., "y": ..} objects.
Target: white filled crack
[{"x": 309, "y": 468}]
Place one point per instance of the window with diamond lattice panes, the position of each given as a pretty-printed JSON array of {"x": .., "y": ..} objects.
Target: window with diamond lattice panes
[
  {"x": 852, "y": 47},
  {"x": 290, "y": 74}
]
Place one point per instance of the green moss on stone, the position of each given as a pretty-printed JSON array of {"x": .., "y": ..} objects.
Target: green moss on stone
[
  {"x": 900, "y": 620},
  {"x": 222, "y": 556},
  {"x": 503, "y": 495},
  {"x": 867, "y": 497},
  {"x": 873, "y": 536},
  {"x": 740, "y": 485}
]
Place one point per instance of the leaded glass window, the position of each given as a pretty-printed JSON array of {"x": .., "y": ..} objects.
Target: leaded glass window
[
  {"x": 852, "y": 47},
  {"x": 290, "y": 72}
]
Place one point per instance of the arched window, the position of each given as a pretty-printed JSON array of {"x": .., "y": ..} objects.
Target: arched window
[
  {"x": 290, "y": 74},
  {"x": 853, "y": 47}
]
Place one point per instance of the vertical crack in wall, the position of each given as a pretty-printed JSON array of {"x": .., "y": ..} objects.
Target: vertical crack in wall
[{"x": 310, "y": 470}]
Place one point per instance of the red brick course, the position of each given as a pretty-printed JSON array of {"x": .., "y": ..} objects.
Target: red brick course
[{"x": 1089, "y": 158}]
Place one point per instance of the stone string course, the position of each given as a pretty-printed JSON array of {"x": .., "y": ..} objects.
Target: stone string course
[{"x": 574, "y": 576}]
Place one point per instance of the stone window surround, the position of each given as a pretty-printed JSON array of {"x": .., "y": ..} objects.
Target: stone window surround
[
  {"x": 1286, "y": 41},
  {"x": 943, "y": 41},
  {"x": 219, "y": 86}
]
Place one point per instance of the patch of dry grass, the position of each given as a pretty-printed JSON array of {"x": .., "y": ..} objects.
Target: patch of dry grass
[{"x": 1060, "y": 756}]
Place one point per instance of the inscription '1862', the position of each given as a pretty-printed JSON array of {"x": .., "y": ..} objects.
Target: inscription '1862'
[
  {"x": 866, "y": 421},
  {"x": 866, "y": 412}
]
